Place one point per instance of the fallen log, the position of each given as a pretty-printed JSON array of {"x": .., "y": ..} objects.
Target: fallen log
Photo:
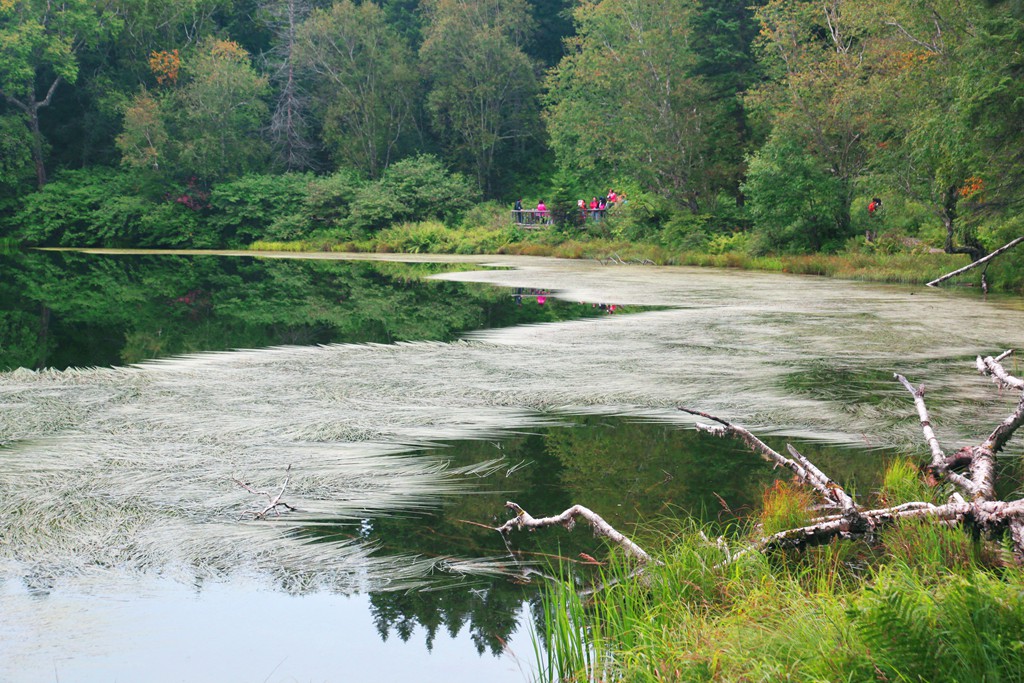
[
  {"x": 975, "y": 264},
  {"x": 971, "y": 470}
]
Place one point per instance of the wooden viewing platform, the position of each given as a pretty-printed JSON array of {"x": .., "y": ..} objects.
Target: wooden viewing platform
[{"x": 531, "y": 219}]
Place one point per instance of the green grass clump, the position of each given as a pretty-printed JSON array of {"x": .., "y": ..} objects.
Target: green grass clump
[
  {"x": 925, "y": 602},
  {"x": 903, "y": 483},
  {"x": 299, "y": 246}
]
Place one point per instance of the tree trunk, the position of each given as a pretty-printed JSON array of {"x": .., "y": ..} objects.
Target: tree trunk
[
  {"x": 971, "y": 247},
  {"x": 37, "y": 144},
  {"x": 30, "y": 108},
  {"x": 975, "y": 264}
]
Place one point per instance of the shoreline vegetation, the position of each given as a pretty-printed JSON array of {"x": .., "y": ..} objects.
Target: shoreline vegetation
[
  {"x": 861, "y": 261},
  {"x": 792, "y": 593},
  {"x": 922, "y": 603}
]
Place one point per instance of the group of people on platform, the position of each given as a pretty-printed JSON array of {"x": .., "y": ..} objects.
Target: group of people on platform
[
  {"x": 597, "y": 207},
  {"x": 595, "y": 210}
]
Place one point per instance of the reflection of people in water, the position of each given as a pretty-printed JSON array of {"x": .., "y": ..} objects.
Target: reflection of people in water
[{"x": 541, "y": 294}]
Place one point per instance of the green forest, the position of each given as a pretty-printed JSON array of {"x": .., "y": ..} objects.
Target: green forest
[{"x": 726, "y": 126}]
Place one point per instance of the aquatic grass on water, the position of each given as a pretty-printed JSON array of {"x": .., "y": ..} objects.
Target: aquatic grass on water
[{"x": 133, "y": 467}]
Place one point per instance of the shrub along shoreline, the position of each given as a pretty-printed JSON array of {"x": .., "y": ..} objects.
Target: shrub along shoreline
[
  {"x": 857, "y": 262},
  {"x": 418, "y": 206}
]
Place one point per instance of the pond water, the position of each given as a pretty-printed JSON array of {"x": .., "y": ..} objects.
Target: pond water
[
  {"x": 405, "y": 403},
  {"x": 68, "y": 309}
]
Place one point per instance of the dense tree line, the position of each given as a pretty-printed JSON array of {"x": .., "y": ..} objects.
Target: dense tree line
[{"x": 767, "y": 125}]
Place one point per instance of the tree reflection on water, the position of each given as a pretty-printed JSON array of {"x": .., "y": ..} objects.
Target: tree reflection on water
[
  {"x": 68, "y": 309},
  {"x": 637, "y": 475}
]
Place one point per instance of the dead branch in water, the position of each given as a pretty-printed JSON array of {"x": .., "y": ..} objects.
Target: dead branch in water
[
  {"x": 971, "y": 470},
  {"x": 523, "y": 520},
  {"x": 975, "y": 264},
  {"x": 274, "y": 501},
  {"x": 615, "y": 258}
]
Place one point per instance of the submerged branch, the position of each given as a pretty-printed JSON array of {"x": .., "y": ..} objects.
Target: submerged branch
[
  {"x": 274, "y": 501},
  {"x": 567, "y": 519},
  {"x": 979, "y": 510}
]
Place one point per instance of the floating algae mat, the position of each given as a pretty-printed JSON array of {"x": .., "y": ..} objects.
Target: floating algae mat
[{"x": 122, "y": 483}]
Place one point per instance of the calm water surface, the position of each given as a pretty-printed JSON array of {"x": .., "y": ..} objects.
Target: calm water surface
[{"x": 149, "y": 570}]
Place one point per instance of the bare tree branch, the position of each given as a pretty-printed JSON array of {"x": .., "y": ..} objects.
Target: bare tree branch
[
  {"x": 979, "y": 510},
  {"x": 830, "y": 491},
  {"x": 567, "y": 519},
  {"x": 274, "y": 501}
]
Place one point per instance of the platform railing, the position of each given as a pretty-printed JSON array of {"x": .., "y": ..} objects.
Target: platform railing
[{"x": 534, "y": 218}]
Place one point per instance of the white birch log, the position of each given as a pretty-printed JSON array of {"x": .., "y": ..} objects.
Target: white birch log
[
  {"x": 567, "y": 519},
  {"x": 939, "y": 466},
  {"x": 805, "y": 471},
  {"x": 985, "y": 259},
  {"x": 979, "y": 509},
  {"x": 993, "y": 367}
]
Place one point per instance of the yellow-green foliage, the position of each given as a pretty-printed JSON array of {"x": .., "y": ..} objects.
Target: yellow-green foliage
[
  {"x": 785, "y": 507},
  {"x": 282, "y": 246}
]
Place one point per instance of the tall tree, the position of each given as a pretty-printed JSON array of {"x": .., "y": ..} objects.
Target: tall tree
[
  {"x": 206, "y": 120},
  {"x": 143, "y": 139},
  {"x": 816, "y": 97},
  {"x": 926, "y": 147},
  {"x": 552, "y": 22},
  {"x": 366, "y": 83},
  {"x": 626, "y": 100},
  {"x": 289, "y": 129},
  {"x": 157, "y": 26},
  {"x": 220, "y": 112},
  {"x": 40, "y": 42},
  {"x": 483, "y": 87},
  {"x": 723, "y": 40},
  {"x": 992, "y": 102},
  {"x": 15, "y": 153}
]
